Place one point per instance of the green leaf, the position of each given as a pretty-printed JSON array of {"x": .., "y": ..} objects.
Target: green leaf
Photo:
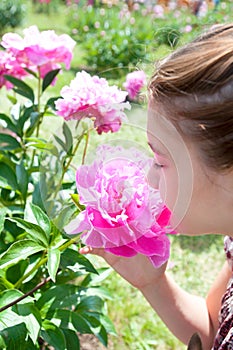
[
  {"x": 96, "y": 327},
  {"x": 8, "y": 296},
  {"x": 53, "y": 335},
  {"x": 22, "y": 179},
  {"x": 60, "y": 142},
  {"x": 48, "y": 79},
  {"x": 31, "y": 317},
  {"x": 64, "y": 216},
  {"x": 37, "y": 196},
  {"x": 34, "y": 231},
  {"x": 51, "y": 102},
  {"x": 3, "y": 212},
  {"x": 25, "y": 115},
  {"x": 2, "y": 343},
  {"x": 53, "y": 262},
  {"x": 22, "y": 88},
  {"x": 34, "y": 121},
  {"x": 68, "y": 138},
  {"x": 108, "y": 325},
  {"x": 19, "y": 250},
  {"x": 15, "y": 272},
  {"x": 41, "y": 145},
  {"x": 12, "y": 99},
  {"x": 31, "y": 72},
  {"x": 42, "y": 219},
  {"x": 15, "y": 337},
  {"x": 89, "y": 304},
  {"x": 10, "y": 125},
  {"x": 72, "y": 340},
  {"x": 76, "y": 262},
  {"x": 103, "y": 273},
  {"x": 54, "y": 297},
  {"x": 24, "y": 311},
  {"x": 80, "y": 323},
  {"x": 8, "y": 143},
  {"x": 33, "y": 261},
  {"x": 7, "y": 177},
  {"x": 71, "y": 320}
]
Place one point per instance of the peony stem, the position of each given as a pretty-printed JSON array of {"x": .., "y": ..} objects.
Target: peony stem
[{"x": 85, "y": 147}]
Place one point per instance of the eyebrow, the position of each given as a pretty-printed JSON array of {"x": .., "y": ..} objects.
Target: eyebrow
[{"x": 155, "y": 150}]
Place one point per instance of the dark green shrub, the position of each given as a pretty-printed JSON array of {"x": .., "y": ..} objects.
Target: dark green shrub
[{"x": 11, "y": 13}]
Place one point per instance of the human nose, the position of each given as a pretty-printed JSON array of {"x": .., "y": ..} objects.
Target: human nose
[{"x": 153, "y": 177}]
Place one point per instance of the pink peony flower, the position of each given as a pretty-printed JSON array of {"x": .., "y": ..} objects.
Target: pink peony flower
[
  {"x": 123, "y": 213},
  {"x": 40, "y": 50},
  {"x": 134, "y": 82},
  {"x": 91, "y": 96},
  {"x": 10, "y": 66}
]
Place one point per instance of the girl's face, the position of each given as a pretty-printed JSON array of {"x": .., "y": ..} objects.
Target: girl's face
[{"x": 192, "y": 192}]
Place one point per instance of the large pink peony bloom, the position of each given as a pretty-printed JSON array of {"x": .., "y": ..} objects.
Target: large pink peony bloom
[
  {"x": 91, "y": 96},
  {"x": 10, "y": 66},
  {"x": 134, "y": 83},
  {"x": 40, "y": 50},
  {"x": 123, "y": 213}
]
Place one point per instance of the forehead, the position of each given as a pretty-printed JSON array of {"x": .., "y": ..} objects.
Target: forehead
[{"x": 161, "y": 132}]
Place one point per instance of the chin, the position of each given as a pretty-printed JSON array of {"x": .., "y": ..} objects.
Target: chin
[{"x": 185, "y": 227}]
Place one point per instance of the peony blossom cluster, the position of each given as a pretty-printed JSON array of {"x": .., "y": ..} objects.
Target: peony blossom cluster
[
  {"x": 123, "y": 213},
  {"x": 91, "y": 96},
  {"x": 39, "y": 51},
  {"x": 134, "y": 83}
]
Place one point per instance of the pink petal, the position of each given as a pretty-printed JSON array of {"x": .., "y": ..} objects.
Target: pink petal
[
  {"x": 122, "y": 251},
  {"x": 150, "y": 246}
]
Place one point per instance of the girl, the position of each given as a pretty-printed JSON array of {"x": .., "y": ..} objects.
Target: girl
[{"x": 190, "y": 130}]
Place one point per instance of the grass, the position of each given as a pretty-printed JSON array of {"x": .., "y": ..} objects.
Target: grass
[{"x": 195, "y": 261}]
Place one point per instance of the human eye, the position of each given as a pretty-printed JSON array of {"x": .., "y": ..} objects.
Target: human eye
[{"x": 157, "y": 165}]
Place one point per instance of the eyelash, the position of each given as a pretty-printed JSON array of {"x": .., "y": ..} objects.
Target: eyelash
[{"x": 157, "y": 165}]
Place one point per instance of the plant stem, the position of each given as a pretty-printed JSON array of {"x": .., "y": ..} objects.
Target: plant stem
[
  {"x": 42, "y": 261},
  {"x": 38, "y": 104},
  {"x": 38, "y": 286},
  {"x": 41, "y": 114},
  {"x": 66, "y": 166},
  {"x": 85, "y": 147}
]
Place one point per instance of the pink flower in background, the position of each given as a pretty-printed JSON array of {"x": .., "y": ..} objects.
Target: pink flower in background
[
  {"x": 91, "y": 96},
  {"x": 188, "y": 28},
  {"x": 134, "y": 83},
  {"x": 10, "y": 66},
  {"x": 158, "y": 11},
  {"x": 123, "y": 213},
  {"x": 40, "y": 50}
]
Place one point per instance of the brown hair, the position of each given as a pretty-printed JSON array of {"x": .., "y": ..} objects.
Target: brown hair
[{"x": 194, "y": 88}]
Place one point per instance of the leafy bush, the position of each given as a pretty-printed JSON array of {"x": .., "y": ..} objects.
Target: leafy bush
[
  {"x": 48, "y": 294},
  {"x": 112, "y": 40},
  {"x": 38, "y": 261},
  {"x": 11, "y": 13}
]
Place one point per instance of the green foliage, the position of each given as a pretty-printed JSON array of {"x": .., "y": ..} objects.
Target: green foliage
[
  {"x": 45, "y": 297},
  {"x": 111, "y": 44},
  {"x": 11, "y": 13}
]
